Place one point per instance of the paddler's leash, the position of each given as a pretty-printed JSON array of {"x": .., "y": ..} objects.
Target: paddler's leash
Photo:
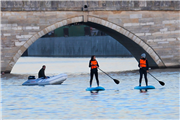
[{"x": 116, "y": 81}]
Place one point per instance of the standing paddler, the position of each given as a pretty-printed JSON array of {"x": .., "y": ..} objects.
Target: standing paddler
[
  {"x": 143, "y": 65},
  {"x": 93, "y": 64}
]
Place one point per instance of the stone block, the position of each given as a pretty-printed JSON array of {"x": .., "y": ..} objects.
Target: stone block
[
  {"x": 126, "y": 33},
  {"x": 164, "y": 29},
  {"x": 123, "y": 31},
  {"x": 171, "y": 39},
  {"x": 19, "y": 36},
  {"x": 165, "y": 42},
  {"x": 59, "y": 24},
  {"x": 7, "y": 34},
  {"x": 23, "y": 49},
  {"x": 141, "y": 43},
  {"x": 139, "y": 34},
  {"x": 149, "y": 50},
  {"x": 170, "y": 21},
  {"x": 19, "y": 43},
  {"x": 29, "y": 42},
  {"x": 156, "y": 33},
  {"x": 27, "y": 36},
  {"x": 16, "y": 57},
  {"x": 134, "y": 37},
  {"x": 145, "y": 46},
  {"x": 114, "y": 27},
  {"x": 36, "y": 36},
  {"x": 28, "y": 28},
  {"x": 137, "y": 40},
  {"x": 64, "y": 22},
  {"x": 167, "y": 56},
  {"x": 36, "y": 28},
  {"x": 159, "y": 62},
  {"x": 106, "y": 23},
  {"x": 19, "y": 28},
  {"x": 110, "y": 25},
  {"x": 103, "y": 22},
  {"x": 32, "y": 33},
  {"x": 80, "y": 19},
  {"x": 99, "y": 21},
  {"x": 26, "y": 45},
  {"x": 127, "y": 24},
  {"x": 20, "y": 52},
  {"x": 2, "y": 25},
  {"x": 134, "y": 16},
  {"x": 118, "y": 28},
  {"x": 142, "y": 24},
  {"x": 6, "y": 28},
  {"x": 41, "y": 33},
  {"x": 150, "y": 23},
  {"x": 146, "y": 34},
  {"x": 33, "y": 38}
]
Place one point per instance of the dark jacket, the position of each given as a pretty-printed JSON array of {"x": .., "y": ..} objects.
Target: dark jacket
[
  {"x": 41, "y": 73},
  {"x": 147, "y": 65}
]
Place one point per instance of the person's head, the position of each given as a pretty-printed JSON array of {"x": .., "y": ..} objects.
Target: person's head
[
  {"x": 44, "y": 67},
  {"x": 143, "y": 55},
  {"x": 93, "y": 58}
]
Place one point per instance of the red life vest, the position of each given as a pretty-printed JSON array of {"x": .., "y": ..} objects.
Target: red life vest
[
  {"x": 142, "y": 63},
  {"x": 94, "y": 64}
]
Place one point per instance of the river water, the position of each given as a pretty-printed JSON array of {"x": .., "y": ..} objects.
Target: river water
[{"x": 70, "y": 100}]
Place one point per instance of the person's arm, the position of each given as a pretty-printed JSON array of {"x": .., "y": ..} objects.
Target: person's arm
[
  {"x": 147, "y": 65},
  {"x": 139, "y": 64},
  {"x": 97, "y": 64},
  {"x": 89, "y": 63},
  {"x": 39, "y": 74}
]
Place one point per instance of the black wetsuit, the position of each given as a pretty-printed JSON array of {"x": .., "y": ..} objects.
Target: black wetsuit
[
  {"x": 142, "y": 71},
  {"x": 41, "y": 73},
  {"x": 92, "y": 72}
]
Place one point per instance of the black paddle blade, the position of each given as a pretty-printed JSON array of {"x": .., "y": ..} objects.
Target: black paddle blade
[
  {"x": 162, "y": 83},
  {"x": 116, "y": 81}
]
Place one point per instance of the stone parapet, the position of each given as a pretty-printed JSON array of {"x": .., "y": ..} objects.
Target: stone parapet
[{"x": 125, "y": 5}]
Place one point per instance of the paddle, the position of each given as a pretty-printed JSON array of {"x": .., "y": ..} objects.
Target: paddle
[
  {"x": 162, "y": 83},
  {"x": 116, "y": 81}
]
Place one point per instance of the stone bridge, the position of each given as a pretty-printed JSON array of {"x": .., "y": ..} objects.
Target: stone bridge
[{"x": 150, "y": 27}]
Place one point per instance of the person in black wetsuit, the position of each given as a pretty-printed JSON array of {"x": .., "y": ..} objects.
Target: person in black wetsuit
[
  {"x": 94, "y": 65},
  {"x": 143, "y": 65},
  {"x": 41, "y": 72}
]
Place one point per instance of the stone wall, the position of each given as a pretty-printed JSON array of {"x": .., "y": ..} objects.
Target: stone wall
[{"x": 50, "y": 5}]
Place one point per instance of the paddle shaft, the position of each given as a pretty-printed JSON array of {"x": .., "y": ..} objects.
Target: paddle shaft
[
  {"x": 160, "y": 82},
  {"x": 106, "y": 73},
  {"x": 153, "y": 76}
]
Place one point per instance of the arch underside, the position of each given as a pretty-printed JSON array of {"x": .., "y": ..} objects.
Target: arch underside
[{"x": 135, "y": 49}]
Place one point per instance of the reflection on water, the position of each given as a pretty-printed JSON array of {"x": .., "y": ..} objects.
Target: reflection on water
[{"x": 71, "y": 101}]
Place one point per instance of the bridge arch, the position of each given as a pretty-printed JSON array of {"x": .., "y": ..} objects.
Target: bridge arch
[{"x": 132, "y": 42}]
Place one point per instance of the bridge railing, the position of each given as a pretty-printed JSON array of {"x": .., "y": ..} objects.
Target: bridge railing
[{"x": 88, "y": 5}]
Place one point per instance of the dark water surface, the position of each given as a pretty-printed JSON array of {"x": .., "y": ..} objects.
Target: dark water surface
[{"x": 71, "y": 101}]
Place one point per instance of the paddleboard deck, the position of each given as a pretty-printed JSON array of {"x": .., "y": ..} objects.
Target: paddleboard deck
[
  {"x": 144, "y": 87},
  {"x": 95, "y": 89}
]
